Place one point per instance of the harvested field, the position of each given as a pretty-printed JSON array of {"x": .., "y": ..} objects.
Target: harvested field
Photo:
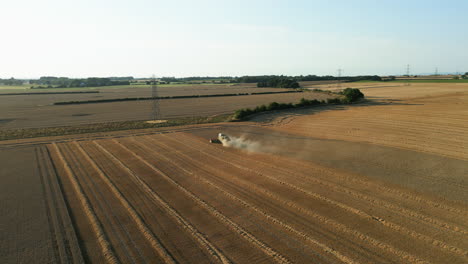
[
  {"x": 313, "y": 84},
  {"x": 35, "y": 224},
  {"x": 381, "y": 182},
  {"x": 427, "y": 118},
  {"x": 217, "y": 205},
  {"x": 17, "y": 113}
]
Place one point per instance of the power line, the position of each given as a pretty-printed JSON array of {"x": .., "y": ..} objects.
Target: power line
[
  {"x": 338, "y": 86},
  {"x": 407, "y": 74},
  {"x": 155, "y": 102}
]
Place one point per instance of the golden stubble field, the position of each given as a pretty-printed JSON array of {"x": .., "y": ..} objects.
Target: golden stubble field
[
  {"x": 173, "y": 197},
  {"x": 423, "y": 117}
]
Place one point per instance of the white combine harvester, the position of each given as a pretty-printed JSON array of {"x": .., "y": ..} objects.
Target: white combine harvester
[{"x": 221, "y": 138}]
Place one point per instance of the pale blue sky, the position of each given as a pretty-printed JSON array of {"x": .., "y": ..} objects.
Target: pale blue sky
[{"x": 206, "y": 37}]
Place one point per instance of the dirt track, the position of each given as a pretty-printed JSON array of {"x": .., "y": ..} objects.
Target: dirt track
[{"x": 306, "y": 196}]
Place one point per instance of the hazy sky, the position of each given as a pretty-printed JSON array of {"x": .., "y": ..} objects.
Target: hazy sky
[{"x": 100, "y": 38}]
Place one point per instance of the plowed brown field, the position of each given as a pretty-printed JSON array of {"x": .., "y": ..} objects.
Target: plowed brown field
[
  {"x": 169, "y": 196},
  {"x": 36, "y": 111}
]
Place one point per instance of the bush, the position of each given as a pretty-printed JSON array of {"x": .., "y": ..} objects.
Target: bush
[
  {"x": 352, "y": 95},
  {"x": 305, "y": 102},
  {"x": 333, "y": 101},
  {"x": 261, "y": 108},
  {"x": 242, "y": 113},
  {"x": 272, "y": 106}
]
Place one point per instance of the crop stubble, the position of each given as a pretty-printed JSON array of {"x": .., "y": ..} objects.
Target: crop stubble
[
  {"x": 231, "y": 209},
  {"x": 174, "y": 198}
]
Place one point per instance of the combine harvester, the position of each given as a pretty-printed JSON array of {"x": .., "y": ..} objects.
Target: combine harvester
[{"x": 221, "y": 138}]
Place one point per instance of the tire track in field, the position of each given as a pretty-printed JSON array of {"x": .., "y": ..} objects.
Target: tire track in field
[
  {"x": 412, "y": 142},
  {"x": 325, "y": 220},
  {"x": 383, "y": 203},
  {"x": 329, "y": 184},
  {"x": 103, "y": 241},
  {"x": 416, "y": 140},
  {"x": 318, "y": 217},
  {"x": 432, "y": 117},
  {"x": 63, "y": 230},
  {"x": 147, "y": 233},
  {"x": 165, "y": 229},
  {"x": 210, "y": 226},
  {"x": 171, "y": 211},
  {"x": 113, "y": 223},
  {"x": 201, "y": 188},
  {"x": 242, "y": 212},
  {"x": 344, "y": 178},
  {"x": 261, "y": 225},
  {"x": 442, "y": 136},
  {"x": 358, "y": 212},
  {"x": 238, "y": 229},
  {"x": 325, "y": 248},
  {"x": 56, "y": 233},
  {"x": 389, "y": 121},
  {"x": 109, "y": 218}
]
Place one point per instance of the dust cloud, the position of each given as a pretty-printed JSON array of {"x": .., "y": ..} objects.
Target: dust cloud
[{"x": 243, "y": 144}]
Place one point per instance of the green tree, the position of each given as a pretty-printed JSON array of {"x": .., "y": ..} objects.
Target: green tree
[{"x": 352, "y": 94}]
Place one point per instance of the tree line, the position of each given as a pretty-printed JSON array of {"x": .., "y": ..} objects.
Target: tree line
[
  {"x": 11, "y": 82},
  {"x": 64, "y": 82},
  {"x": 302, "y": 78},
  {"x": 278, "y": 82},
  {"x": 221, "y": 79}
]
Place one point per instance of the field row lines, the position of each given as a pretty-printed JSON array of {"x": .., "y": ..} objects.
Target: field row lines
[
  {"x": 114, "y": 224},
  {"x": 147, "y": 233},
  {"x": 238, "y": 229},
  {"x": 327, "y": 221},
  {"x": 189, "y": 142},
  {"x": 267, "y": 216},
  {"x": 172, "y": 212},
  {"x": 395, "y": 142},
  {"x": 430, "y": 137},
  {"x": 63, "y": 233},
  {"x": 358, "y": 212},
  {"x": 102, "y": 238}
]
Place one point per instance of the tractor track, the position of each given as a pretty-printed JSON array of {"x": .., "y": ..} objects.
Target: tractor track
[
  {"x": 389, "y": 224},
  {"x": 210, "y": 227},
  {"x": 168, "y": 232},
  {"x": 215, "y": 252},
  {"x": 103, "y": 241},
  {"x": 62, "y": 228},
  {"x": 246, "y": 235},
  {"x": 317, "y": 179},
  {"x": 336, "y": 226},
  {"x": 267, "y": 216},
  {"x": 118, "y": 233},
  {"x": 211, "y": 196},
  {"x": 147, "y": 233}
]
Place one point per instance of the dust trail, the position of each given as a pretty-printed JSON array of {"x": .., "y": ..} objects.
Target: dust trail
[{"x": 243, "y": 143}]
